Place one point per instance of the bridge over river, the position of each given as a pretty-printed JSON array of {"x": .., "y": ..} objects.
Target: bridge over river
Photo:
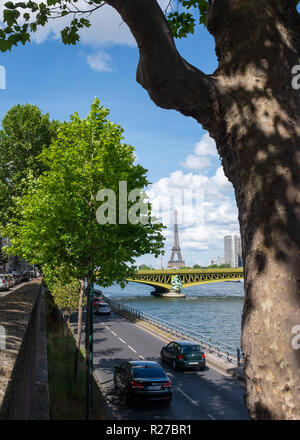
[{"x": 161, "y": 280}]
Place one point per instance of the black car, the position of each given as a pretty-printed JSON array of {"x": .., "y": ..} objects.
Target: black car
[
  {"x": 142, "y": 380},
  {"x": 183, "y": 354}
]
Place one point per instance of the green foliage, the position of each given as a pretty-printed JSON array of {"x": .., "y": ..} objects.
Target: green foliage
[
  {"x": 224, "y": 266},
  {"x": 23, "y": 18},
  {"x": 66, "y": 295},
  {"x": 20, "y": 19},
  {"x": 55, "y": 223},
  {"x": 25, "y": 132},
  {"x": 66, "y": 396},
  {"x": 183, "y": 23},
  {"x": 144, "y": 267},
  {"x": 63, "y": 287}
]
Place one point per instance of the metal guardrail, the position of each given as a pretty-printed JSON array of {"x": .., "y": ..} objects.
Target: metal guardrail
[{"x": 233, "y": 355}]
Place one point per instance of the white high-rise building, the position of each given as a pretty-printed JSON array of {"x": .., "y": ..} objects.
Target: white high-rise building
[
  {"x": 237, "y": 251},
  {"x": 228, "y": 250},
  {"x": 233, "y": 250},
  {"x": 220, "y": 260}
]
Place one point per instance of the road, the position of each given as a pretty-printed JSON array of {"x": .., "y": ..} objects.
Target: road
[
  {"x": 207, "y": 395},
  {"x": 12, "y": 289}
]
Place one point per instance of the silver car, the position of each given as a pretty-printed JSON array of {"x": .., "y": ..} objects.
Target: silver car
[
  {"x": 102, "y": 308},
  {"x": 5, "y": 281}
]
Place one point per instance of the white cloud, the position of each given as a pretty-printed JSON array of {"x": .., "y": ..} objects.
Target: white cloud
[
  {"x": 202, "y": 225},
  {"x": 100, "y": 61},
  {"x": 193, "y": 162},
  {"x": 203, "y": 149},
  {"x": 206, "y": 146}
]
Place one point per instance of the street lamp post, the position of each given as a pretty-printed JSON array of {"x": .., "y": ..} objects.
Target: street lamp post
[{"x": 91, "y": 343}]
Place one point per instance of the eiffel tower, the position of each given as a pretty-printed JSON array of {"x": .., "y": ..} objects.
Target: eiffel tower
[{"x": 172, "y": 263}]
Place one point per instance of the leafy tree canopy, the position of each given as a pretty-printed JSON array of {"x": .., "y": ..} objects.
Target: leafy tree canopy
[
  {"x": 55, "y": 222},
  {"x": 23, "y": 18},
  {"x": 144, "y": 267},
  {"x": 25, "y": 132},
  {"x": 64, "y": 289}
]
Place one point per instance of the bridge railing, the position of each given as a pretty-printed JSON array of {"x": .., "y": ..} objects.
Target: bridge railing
[{"x": 221, "y": 349}]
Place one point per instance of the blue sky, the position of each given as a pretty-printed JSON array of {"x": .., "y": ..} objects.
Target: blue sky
[{"x": 62, "y": 79}]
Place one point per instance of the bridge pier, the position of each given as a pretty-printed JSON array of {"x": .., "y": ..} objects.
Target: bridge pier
[{"x": 166, "y": 293}]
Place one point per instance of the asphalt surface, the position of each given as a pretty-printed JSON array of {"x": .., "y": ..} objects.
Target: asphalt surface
[
  {"x": 12, "y": 289},
  {"x": 197, "y": 395}
]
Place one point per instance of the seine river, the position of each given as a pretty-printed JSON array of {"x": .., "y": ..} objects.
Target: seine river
[{"x": 214, "y": 310}]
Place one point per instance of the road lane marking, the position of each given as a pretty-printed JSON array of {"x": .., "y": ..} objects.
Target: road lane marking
[
  {"x": 141, "y": 357},
  {"x": 129, "y": 346},
  {"x": 187, "y": 396}
]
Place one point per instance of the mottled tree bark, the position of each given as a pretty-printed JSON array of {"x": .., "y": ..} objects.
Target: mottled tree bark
[{"x": 250, "y": 108}]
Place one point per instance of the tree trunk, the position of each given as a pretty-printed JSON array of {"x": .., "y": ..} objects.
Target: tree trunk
[
  {"x": 250, "y": 108},
  {"x": 87, "y": 352},
  {"x": 79, "y": 331},
  {"x": 260, "y": 149}
]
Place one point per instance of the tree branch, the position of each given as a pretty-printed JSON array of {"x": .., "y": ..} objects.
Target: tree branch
[{"x": 171, "y": 81}]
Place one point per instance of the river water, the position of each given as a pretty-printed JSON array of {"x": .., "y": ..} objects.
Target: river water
[{"x": 213, "y": 310}]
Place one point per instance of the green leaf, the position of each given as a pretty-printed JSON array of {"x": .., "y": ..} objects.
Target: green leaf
[
  {"x": 9, "y": 5},
  {"x": 181, "y": 24},
  {"x": 10, "y": 16}
]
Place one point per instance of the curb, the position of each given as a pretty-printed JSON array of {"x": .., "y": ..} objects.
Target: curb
[{"x": 105, "y": 404}]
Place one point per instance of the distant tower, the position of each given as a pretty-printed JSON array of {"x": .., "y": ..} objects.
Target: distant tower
[
  {"x": 233, "y": 251},
  {"x": 173, "y": 264},
  {"x": 228, "y": 250}
]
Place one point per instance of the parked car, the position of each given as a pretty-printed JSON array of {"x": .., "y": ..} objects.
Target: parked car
[
  {"x": 96, "y": 302},
  {"x": 142, "y": 380},
  {"x": 97, "y": 293},
  {"x": 17, "y": 277},
  {"x": 25, "y": 276},
  {"x": 11, "y": 279},
  {"x": 5, "y": 281},
  {"x": 102, "y": 308},
  {"x": 183, "y": 354}
]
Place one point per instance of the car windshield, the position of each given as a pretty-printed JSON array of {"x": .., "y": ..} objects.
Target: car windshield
[
  {"x": 148, "y": 372},
  {"x": 103, "y": 305},
  {"x": 188, "y": 349}
]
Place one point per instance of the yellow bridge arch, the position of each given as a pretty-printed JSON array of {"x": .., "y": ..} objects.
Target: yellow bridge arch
[{"x": 162, "y": 279}]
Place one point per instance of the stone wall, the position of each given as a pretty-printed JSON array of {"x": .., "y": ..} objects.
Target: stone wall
[{"x": 23, "y": 362}]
